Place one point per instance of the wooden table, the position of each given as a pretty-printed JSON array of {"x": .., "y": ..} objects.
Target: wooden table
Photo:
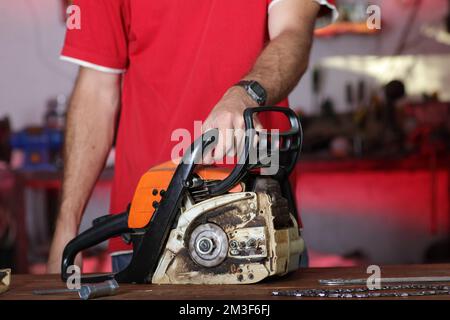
[{"x": 23, "y": 285}]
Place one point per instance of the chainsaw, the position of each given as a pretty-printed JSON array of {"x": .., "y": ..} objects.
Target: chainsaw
[{"x": 193, "y": 224}]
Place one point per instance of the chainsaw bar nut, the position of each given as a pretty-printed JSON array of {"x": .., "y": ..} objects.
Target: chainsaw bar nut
[{"x": 205, "y": 245}]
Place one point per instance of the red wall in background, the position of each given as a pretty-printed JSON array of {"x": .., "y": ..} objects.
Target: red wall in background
[{"x": 391, "y": 215}]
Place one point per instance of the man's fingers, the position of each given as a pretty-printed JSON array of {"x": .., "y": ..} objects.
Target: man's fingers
[
  {"x": 217, "y": 153},
  {"x": 219, "y": 150},
  {"x": 208, "y": 152},
  {"x": 230, "y": 145},
  {"x": 231, "y": 138},
  {"x": 239, "y": 139},
  {"x": 239, "y": 135},
  {"x": 258, "y": 128},
  {"x": 257, "y": 123}
]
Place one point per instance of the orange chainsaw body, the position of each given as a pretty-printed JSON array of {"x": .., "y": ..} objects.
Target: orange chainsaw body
[{"x": 154, "y": 183}]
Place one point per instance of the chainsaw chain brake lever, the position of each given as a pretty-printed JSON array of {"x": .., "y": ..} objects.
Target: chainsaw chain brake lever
[{"x": 289, "y": 149}]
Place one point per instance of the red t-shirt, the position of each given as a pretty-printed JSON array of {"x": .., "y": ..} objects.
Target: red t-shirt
[{"x": 178, "y": 58}]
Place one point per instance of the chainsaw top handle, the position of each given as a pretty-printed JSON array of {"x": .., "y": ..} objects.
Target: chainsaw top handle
[{"x": 290, "y": 143}]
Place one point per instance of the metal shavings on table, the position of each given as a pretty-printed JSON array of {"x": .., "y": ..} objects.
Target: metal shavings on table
[{"x": 364, "y": 292}]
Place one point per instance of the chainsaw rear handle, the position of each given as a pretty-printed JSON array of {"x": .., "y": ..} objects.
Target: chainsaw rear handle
[
  {"x": 289, "y": 150},
  {"x": 106, "y": 228}
]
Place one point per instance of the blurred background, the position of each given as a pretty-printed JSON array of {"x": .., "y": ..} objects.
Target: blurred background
[{"x": 374, "y": 177}]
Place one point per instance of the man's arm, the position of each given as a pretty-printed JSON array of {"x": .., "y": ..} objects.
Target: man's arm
[
  {"x": 89, "y": 134},
  {"x": 278, "y": 69},
  {"x": 285, "y": 59}
]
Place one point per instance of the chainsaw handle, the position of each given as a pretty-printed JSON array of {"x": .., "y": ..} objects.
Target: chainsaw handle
[
  {"x": 291, "y": 145},
  {"x": 289, "y": 151},
  {"x": 114, "y": 225}
]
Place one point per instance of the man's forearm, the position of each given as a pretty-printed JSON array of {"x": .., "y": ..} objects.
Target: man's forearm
[
  {"x": 89, "y": 135},
  {"x": 281, "y": 65},
  {"x": 285, "y": 59}
]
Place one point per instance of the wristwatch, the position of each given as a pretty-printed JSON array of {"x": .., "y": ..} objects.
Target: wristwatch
[{"x": 254, "y": 90}]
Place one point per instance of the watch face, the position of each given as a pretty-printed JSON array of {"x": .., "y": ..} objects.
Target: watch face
[{"x": 258, "y": 90}]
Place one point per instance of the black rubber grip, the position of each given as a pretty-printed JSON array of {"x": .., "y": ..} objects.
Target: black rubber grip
[{"x": 112, "y": 226}]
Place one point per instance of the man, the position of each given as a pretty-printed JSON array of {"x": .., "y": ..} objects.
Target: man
[{"x": 166, "y": 64}]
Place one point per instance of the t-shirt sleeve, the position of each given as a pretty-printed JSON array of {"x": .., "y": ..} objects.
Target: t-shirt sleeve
[
  {"x": 100, "y": 42},
  {"x": 328, "y": 12}
]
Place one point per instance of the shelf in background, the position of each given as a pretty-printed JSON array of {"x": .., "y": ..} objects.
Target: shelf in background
[{"x": 342, "y": 28}]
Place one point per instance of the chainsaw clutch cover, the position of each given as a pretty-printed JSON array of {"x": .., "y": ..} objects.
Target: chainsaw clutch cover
[
  {"x": 208, "y": 245},
  {"x": 235, "y": 238}
]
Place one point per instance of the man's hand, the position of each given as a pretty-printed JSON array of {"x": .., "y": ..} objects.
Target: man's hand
[
  {"x": 64, "y": 232},
  {"x": 228, "y": 117}
]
